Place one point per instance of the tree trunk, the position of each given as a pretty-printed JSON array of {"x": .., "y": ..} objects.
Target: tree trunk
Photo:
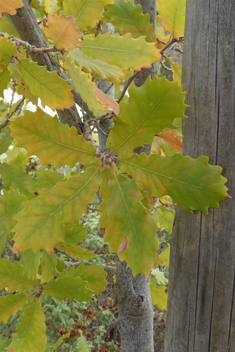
[{"x": 201, "y": 309}]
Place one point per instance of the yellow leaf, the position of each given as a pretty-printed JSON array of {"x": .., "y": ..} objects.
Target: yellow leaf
[
  {"x": 62, "y": 31},
  {"x": 172, "y": 14},
  {"x": 111, "y": 103},
  {"x": 10, "y": 6},
  {"x": 177, "y": 70}
]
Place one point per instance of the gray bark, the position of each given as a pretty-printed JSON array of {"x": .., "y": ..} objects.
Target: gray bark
[{"x": 201, "y": 309}]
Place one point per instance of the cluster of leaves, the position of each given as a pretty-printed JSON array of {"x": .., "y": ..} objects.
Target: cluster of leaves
[{"x": 41, "y": 211}]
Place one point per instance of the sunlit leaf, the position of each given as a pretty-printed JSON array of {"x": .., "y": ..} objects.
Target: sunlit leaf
[
  {"x": 52, "y": 210},
  {"x": 48, "y": 86},
  {"x": 12, "y": 277},
  {"x": 4, "y": 80},
  {"x": 9, "y": 305},
  {"x": 86, "y": 12},
  {"x": 62, "y": 31},
  {"x": 128, "y": 18},
  {"x": 97, "y": 68},
  {"x": 7, "y": 27},
  {"x": 31, "y": 329},
  {"x": 192, "y": 183},
  {"x": 122, "y": 51},
  {"x": 159, "y": 276},
  {"x": 7, "y": 50},
  {"x": 164, "y": 257},
  {"x": 151, "y": 108},
  {"x": 10, "y": 6},
  {"x": 81, "y": 343},
  {"x": 70, "y": 288},
  {"x": 158, "y": 295},
  {"x": 53, "y": 142},
  {"x": 172, "y": 14},
  {"x": 177, "y": 70},
  {"x": 17, "y": 178}
]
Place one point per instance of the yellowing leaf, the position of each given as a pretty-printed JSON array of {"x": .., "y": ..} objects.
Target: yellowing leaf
[
  {"x": 128, "y": 18},
  {"x": 86, "y": 89},
  {"x": 10, "y": 6},
  {"x": 86, "y": 12},
  {"x": 30, "y": 262},
  {"x": 5, "y": 138},
  {"x": 171, "y": 139},
  {"x": 9, "y": 305},
  {"x": 111, "y": 103},
  {"x": 151, "y": 108},
  {"x": 48, "y": 86},
  {"x": 77, "y": 251},
  {"x": 172, "y": 14},
  {"x": 158, "y": 295},
  {"x": 192, "y": 183},
  {"x": 31, "y": 329},
  {"x": 48, "y": 264},
  {"x": 122, "y": 51},
  {"x": 70, "y": 288},
  {"x": 62, "y": 31},
  {"x": 164, "y": 257},
  {"x": 53, "y": 142},
  {"x": 52, "y": 210},
  {"x": 135, "y": 222},
  {"x": 48, "y": 178},
  {"x": 97, "y": 68}
]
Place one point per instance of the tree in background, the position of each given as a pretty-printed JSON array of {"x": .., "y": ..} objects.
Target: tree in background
[{"x": 57, "y": 59}]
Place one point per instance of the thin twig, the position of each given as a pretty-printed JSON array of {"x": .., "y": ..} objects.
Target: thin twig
[
  {"x": 127, "y": 85},
  {"x": 165, "y": 67},
  {"x": 29, "y": 47}
]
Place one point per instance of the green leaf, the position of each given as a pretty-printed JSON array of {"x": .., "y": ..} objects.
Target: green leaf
[
  {"x": 7, "y": 27},
  {"x": 172, "y": 14},
  {"x": 151, "y": 108},
  {"x": 74, "y": 234},
  {"x": 124, "y": 52},
  {"x": 86, "y": 12},
  {"x": 17, "y": 178},
  {"x": 135, "y": 222},
  {"x": 10, "y": 205},
  {"x": 9, "y": 305},
  {"x": 97, "y": 68},
  {"x": 77, "y": 251},
  {"x": 54, "y": 143},
  {"x": 93, "y": 274},
  {"x": 48, "y": 178},
  {"x": 158, "y": 295},
  {"x": 31, "y": 329},
  {"x": 12, "y": 277},
  {"x": 86, "y": 88},
  {"x": 30, "y": 262},
  {"x": 165, "y": 217},
  {"x": 70, "y": 288},
  {"x": 192, "y": 183},
  {"x": 48, "y": 86},
  {"x": 48, "y": 263},
  {"x": 3, "y": 239},
  {"x": 5, "y": 138},
  {"x": 52, "y": 210},
  {"x": 128, "y": 18}
]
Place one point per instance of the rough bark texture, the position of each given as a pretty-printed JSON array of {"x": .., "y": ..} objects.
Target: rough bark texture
[{"x": 201, "y": 309}]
